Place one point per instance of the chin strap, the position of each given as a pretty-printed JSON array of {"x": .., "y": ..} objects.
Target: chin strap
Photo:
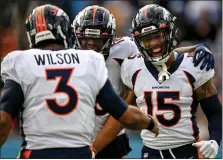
[{"x": 163, "y": 74}]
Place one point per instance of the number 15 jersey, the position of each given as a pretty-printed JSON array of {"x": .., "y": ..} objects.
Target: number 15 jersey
[
  {"x": 60, "y": 89},
  {"x": 173, "y": 102}
]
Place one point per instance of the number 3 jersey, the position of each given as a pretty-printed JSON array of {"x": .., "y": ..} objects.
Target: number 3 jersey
[
  {"x": 173, "y": 102},
  {"x": 60, "y": 89},
  {"x": 121, "y": 49}
]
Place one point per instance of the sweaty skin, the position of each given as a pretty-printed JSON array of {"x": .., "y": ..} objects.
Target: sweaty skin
[{"x": 206, "y": 90}]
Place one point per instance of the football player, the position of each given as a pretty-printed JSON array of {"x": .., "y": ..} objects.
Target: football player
[
  {"x": 97, "y": 32},
  {"x": 169, "y": 87},
  {"x": 94, "y": 28},
  {"x": 55, "y": 89}
]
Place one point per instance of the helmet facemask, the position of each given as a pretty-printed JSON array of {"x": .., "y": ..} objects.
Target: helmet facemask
[
  {"x": 94, "y": 39},
  {"x": 154, "y": 24},
  {"x": 156, "y": 44}
]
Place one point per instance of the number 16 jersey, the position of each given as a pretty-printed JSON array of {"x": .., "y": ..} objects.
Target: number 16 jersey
[
  {"x": 60, "y": 89},
  {"x": 173, "y": 102}
]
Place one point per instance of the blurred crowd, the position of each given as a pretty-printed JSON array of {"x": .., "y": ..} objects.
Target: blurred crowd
[{"x": 197, "y": 21}]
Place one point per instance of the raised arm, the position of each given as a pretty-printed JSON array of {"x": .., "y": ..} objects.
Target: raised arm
[
  {"x": 186, "y": 49},
  {"x": 202, "y": 54}
]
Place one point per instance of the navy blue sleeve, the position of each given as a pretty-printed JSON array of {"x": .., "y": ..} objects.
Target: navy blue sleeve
[
  {"x": 213, "y": 111},
  {"x": 12, "y": 98},
  {"x": 111, "y": 102},
  {"x": 1, "y": 83}
]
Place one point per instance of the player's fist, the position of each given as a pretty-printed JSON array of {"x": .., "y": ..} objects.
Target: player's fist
[
  {"x": 209, "y": 149},
  {"x": 153, "y": 126}
]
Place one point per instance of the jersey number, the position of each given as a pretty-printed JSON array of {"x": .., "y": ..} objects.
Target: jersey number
[
  {"x": 164, "y": 106},
  {"x": 64, "y": 76}
]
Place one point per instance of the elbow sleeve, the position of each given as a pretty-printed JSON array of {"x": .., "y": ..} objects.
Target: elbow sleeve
[
  {"x": 111, "y": 102},
  {"x": 12, "y": 98}
]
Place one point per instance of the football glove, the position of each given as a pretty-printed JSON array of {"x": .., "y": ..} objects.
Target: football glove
[
  {"x": 209, "y": 149},
  {"x": 203, "y": 53}
]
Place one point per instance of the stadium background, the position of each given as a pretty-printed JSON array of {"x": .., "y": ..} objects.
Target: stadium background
[{"x": 198, "y": 21}]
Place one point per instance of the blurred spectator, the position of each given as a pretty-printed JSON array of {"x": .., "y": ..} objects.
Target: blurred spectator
[
  {"x": 7, "y": 30},
  {"x": 194, "y": 9},
  {"x": 76, "y": 6},
  {"x": 202, "y": 18},
  {"x": 123, "y": 12}
]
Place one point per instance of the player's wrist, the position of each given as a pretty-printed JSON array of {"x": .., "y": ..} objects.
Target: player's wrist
[
  {"x": 214, "y": 142},
  {"x": 151, "y": 124}
]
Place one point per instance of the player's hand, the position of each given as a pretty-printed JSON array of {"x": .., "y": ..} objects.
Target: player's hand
[
  {"x": 156, "y": 127},
  {"x": 209, "y": 149},
  {"x": 204, "y": 55}
]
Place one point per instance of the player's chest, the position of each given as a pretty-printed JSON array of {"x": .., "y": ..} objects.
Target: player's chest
[
  {"x": 178, "y": 82},
  {"x": 168, "y": 100}
]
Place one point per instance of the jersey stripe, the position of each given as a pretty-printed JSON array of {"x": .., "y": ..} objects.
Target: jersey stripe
[
  {"x": 193, "y": 106},
  {"x": 94, "y": 13},
  {"x": 118, "y": 60},
  {"x": 134, "y": 77},
  {"x": 24, "y": 143}
]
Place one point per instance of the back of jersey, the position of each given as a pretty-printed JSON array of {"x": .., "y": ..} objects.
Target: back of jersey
[{"x": 60, "y": 89}]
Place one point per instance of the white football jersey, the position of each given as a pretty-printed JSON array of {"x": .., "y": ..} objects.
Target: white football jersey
[
  {"x": 121, "y": 49},
  {"x": 172, "y": 102},
  {"x": 60, "y": 89}
]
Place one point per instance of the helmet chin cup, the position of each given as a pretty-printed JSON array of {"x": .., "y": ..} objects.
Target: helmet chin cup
[
  {"x": 160, "y": 62},
  {"x": 163, "y": 74}
]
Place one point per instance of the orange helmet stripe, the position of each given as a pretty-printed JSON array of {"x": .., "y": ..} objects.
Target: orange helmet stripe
[
  {"x": 145, "y": 11},
  {"x": 94, "y": 13},
  {"x": 36, "y": 18},
  {"x": 40, "y": 19},
  {"x": 43, "y": 20}
]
